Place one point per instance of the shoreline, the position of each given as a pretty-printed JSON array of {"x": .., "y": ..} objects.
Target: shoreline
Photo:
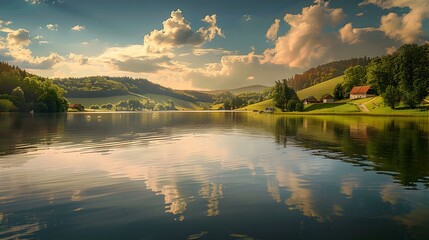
[{"x": 423, "y": 114}]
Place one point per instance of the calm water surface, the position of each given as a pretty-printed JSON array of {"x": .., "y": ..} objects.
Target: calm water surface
[{"x": 213, "y": 175}]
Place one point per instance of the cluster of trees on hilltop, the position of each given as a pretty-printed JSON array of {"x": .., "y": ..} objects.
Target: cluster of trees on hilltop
[
  {"x": 238, "y": 100},
  {"x": 324, "y": 72},
  {"x": 89, "y": 87},
  {"x": 402, "y": 76},
  {"x": 136, "y": 105},
  {"x": 20, "y": 91}
]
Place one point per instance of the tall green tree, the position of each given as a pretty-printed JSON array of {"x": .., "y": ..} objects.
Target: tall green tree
[
  {"x": 282, "y": 94},
  {"x": 338, "y": 92},
  {"x": 413, "y": 73},
  {"x": 380, "y": 73},
  {"x": 391, "y": 96},
  {"x": 135, "y": 104},
  {"x": 353, "y": 76},
  {"x": 227, "y": 104}
]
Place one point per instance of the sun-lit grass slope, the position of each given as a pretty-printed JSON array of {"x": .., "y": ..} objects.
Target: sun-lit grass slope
[
  {"x": 179, "y": 104},
  {"x": 87, "y": 102},
  {"x": 376, "y": 105},
  {"x": 343, "y": 107},
  {"x": 261, "y": 106},
  {"x": 320, "y": 89}
]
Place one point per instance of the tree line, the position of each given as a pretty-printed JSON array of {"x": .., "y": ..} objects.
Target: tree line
[
  {"x": 324, "y": 72},
  {"x": 136, "y": 105},
  {"x": 232, "y": 101},
  {"x": 104, "y": 86},
  {"x": 400, "y": 77},
  {"x": 23, "y": 92}
]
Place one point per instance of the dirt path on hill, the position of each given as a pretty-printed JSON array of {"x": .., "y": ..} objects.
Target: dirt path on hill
[{"x": 362, "y": 106}]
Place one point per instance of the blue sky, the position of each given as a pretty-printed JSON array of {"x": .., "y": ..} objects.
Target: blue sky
[{"x": 199, "y": 44}]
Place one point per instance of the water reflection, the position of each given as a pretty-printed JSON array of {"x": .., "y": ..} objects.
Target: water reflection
[{"x": 216, "y": 174}]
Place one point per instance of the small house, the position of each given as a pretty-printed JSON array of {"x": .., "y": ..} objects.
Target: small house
[
  {"x": 310, "y": 99},
  {"x": 362, "y": 92},
  {"x": 77, "y": 106},
  {"x": 327, "y": 98}
]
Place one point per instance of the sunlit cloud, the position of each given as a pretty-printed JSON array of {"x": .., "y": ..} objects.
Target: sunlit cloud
[
  {"x": 3, "y": 26},
  {"x": 273, "y": 30},
  {"x": 78, "y": 28},
  {"x": 306, "y": 42},
  {"x": 52, "y": 27},
  {"x": 38, "y": 37},
  {"x": 77, "y": 58},
  {"x": 177, "y": 32},
  {"x": 351, "y": 35},
  {"x": 206, "y": 51},
  {"x": 18, "y": 42},
  {"x": 406, "y": 27},
  {"x": 233, "y": 71}
]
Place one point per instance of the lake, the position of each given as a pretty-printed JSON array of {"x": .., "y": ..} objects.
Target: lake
[{"x": 213, "y": 175}]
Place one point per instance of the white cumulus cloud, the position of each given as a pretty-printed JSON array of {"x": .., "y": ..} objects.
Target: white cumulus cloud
[
  {"x": 52, "y": 27},
  {"x": 17, "y": 44},
  {"x": 78, "y": 28},
  {"x": 78, "y": 58},
  {"x": 273, "y": 30},
  {"x": 18, "y": 38},
  {"x": 406, "y": 27},
  {"x": 306, "y": 42},
  {"x": 177, "y": 32}
]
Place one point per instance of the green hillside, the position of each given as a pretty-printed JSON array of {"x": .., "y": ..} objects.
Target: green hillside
[
  {"x": 180, "y": 104},
  {"x": 252, "y": 88},
  {"x": 87, "y": 102},
  {"x": 260, "y": 106},
  {"x": 320, "y": 89},
  {"x": 317, "y": 91}
]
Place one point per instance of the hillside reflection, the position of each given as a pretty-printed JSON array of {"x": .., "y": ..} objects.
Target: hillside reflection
[
  {"x": 395, "y": 146},
  {"x": 398, "y": 147},
  {"x": 318, "y": 174}
]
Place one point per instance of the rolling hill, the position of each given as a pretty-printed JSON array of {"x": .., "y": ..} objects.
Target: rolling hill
[
  {"x": 317, "y": 91},
  {"x": 320, "y": 89},
  {"x": 252, "y": 88}
]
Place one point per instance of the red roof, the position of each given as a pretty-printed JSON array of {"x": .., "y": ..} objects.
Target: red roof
[{"x": 360, "y": 89}]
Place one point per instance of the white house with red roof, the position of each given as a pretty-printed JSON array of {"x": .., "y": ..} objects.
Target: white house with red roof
[{"x": 362, "y": 92}]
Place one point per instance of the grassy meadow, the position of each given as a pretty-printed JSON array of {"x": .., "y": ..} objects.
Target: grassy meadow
[{"x": 320, "y": 89}]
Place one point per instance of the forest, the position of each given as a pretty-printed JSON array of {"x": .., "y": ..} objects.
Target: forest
[
  {"x": 104, "y": 86},
  {"x": 324, "y": 72},
  {"x": 24, "y": 92},
  {"x": 399, "y": 77}
]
